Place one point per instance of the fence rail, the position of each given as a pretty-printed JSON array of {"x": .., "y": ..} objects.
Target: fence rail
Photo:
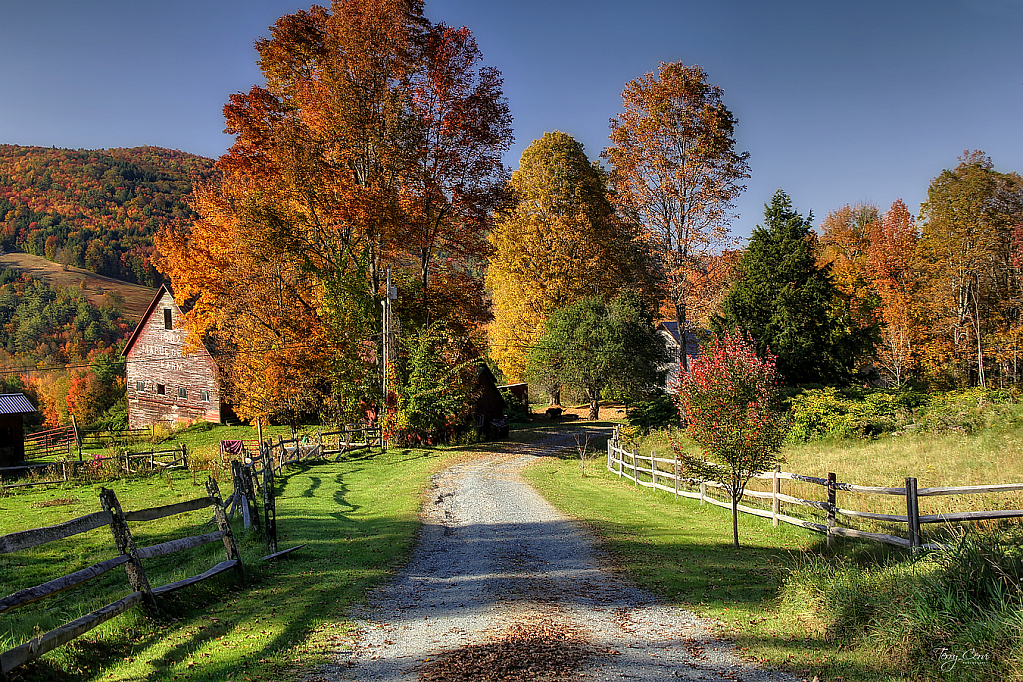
[
  {"x": 99, "y": 438},
  {"x": 49, "y": 443},
  {"x": 628, "y": 465},
  {"x": 128, "y": 556}
]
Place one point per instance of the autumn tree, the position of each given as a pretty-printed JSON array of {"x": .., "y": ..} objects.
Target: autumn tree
[
  {"x": 891, "y": 245},
  {"x": 788, "y": 304},
  {"x": 276, "y": 341},
  {"x": 729, "y": 401},
  {"x": 844, "y": 242},
  {"x": 562, "y": 241},
  {"x": 595, "y": 344},
  {"x": 677, "y": 172},
  {"x": 964, "y": 259},
  {"x": 374, "y": 143},
  {"x": 463, "y": 126}
]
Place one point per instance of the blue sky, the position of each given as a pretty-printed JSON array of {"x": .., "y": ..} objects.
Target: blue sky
[{"x": 837, "y": 102}]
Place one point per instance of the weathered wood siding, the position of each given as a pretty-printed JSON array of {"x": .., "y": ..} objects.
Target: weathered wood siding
[{"x": 157, "y": 358}]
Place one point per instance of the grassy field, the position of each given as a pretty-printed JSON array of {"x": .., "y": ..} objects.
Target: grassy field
[
  {"x": 990, "y": 456},
  {"x": 851, "y": 613},
  {"x": 357, "y": 519},
  {"x": 136, "y": 297}
]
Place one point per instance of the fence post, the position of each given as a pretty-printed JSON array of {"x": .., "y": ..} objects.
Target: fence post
[
  {"x": 269, "y": 508},
  {"x": 230, "y": 548},
  {"x": 184, "y": 455},
  {"x": 775, "y": 491},
  {"x": 653, "y": 469},
  {"x": 912, "y": 514},
  {"x": 831, "y": 506},
  {"x": 703, "y": 491},
  {"x": 610, "y": 444},
  {"x": 249, "y": 480},
  {"x": 238, "y": 482},
  {"x": 78, "y": 439},
  {"x": 126, "y": 545},
  {"x": 677, "y": 476},
  {"x": 635, "y": 469}
]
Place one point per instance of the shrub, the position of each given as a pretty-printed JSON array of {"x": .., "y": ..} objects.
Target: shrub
[
  {"x": 823, "y": 413},
  {"x": 659, "y": 413},
  {"x": 517, "y": 410},
  {"x": 966, "y": 410}
]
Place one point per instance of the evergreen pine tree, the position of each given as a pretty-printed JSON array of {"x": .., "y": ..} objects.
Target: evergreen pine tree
[{"x": 788, "y": 304}]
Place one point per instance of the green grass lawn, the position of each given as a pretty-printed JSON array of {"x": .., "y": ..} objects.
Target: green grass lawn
[
  {"x": 683, "y": 552},
  {"x": 357, "y": 519}
]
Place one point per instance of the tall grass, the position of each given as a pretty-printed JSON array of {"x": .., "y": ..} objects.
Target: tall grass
[{"x": 953, "y": 614}]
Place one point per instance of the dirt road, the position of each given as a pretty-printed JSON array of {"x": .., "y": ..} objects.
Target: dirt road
[{"x": 504, "y": 587}]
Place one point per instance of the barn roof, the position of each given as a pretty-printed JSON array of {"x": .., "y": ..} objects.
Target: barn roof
[
  {"x": 145, "y": 317},
  {"x": 15, "y": 403},
  {"x": 164, "y": 288}
]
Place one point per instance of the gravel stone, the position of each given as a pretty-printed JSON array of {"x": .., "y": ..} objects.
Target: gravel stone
[{"x": 493, "y": 553}]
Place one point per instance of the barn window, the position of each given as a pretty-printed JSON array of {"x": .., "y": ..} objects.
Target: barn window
[
  {"x": 140, "y": 386},
  {"x": 161, "y": 389},
  {"x": 168, "y": 319},
  {"x": 182, "y": 393},
  {"x": 204, "y": 396}
]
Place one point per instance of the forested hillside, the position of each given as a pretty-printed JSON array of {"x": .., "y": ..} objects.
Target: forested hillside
[{"x": 95, "y": 209}]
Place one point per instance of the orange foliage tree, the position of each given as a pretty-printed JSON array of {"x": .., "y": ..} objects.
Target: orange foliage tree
[
  {"x": 965, "y": 264},
  {"x": 677, "y": 172},
  {"x": 889, "y": 263},
  {"x": 845, "y": 239},
  {"x": 375, "y": 143}
]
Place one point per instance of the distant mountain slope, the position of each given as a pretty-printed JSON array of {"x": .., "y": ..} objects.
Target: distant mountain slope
[{"x": 96, "y": 210}]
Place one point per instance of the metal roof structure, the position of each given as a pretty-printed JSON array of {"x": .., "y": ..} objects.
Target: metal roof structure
[{"x": 15, "y": 403}]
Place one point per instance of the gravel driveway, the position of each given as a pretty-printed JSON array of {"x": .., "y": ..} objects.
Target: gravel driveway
[{"x": 504, "y": 587}]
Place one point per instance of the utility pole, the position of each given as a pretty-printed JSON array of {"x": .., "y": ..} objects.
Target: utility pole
[{"x": 387, "y": 337}]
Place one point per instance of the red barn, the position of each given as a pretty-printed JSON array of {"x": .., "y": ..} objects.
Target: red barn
[{"x": 166, "y": 384}]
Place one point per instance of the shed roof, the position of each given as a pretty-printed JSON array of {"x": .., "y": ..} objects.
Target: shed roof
[{"x": 15, "y": 403}]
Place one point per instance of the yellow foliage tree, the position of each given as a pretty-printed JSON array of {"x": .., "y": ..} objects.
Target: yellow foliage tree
[{"x": 561, "y": 242}]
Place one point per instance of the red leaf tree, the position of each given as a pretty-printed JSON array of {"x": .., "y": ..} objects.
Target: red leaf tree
[{"x": 728, "y": 399}]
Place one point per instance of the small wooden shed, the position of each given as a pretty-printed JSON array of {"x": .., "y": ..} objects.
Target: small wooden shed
[
  {"x": 13, "y": 408},
  {"x": 490, "y": 405}
]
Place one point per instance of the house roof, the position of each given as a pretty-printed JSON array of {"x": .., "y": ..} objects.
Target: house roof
[
  {"x": 692, "y": 340},
  {"x": 15, "y": 403}
]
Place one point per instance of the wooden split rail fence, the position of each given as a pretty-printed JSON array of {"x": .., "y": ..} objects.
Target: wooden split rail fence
[
  {"x": 66, "y": 440},
  {"x": 663, "y": 473},
  {"x": 129, "y": 555},
  {"x": 64, "y": 470},
  {"x": 258, "y": 464}
]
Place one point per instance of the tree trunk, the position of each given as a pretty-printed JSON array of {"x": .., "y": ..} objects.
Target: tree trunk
[
  {"x": 680, "y": 320},
  {"x": 981, "y": 378},
  {"x": 735, "y": 518},
  {"x": 594, "y": 397}
]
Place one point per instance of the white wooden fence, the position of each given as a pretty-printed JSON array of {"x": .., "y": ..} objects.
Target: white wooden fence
[{"x": 663, "y": 473}]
